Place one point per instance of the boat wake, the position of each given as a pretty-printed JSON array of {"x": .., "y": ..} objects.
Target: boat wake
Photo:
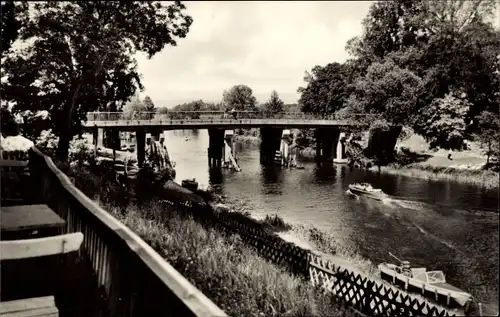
[{"x": 436, "y": 238}]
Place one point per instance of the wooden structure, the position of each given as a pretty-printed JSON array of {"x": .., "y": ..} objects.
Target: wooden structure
[
  {"x": 32, "y": 307},
  {"x": 136, "y": 281},
  {"x": 31, "y": 221},
  {"x": 366, "y": 296},
  {"x": 33, "y": 248}
]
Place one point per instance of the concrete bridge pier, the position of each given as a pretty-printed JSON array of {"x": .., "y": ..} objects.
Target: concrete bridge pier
[
  {"x": 271, "y": 141},
  {"x": 156, "y": 135},
  {"x": 112, "y": 139},
  {"x": 285, "y": 147},
  {"x": 326, "y": 140},
  {"x": 215, "y": 147},
  {"x": 229, "y": 151},
  {"x": 140, "y": 138},
  {"x": 98, "y": 138},
  {"x": 341, "y": 157}
]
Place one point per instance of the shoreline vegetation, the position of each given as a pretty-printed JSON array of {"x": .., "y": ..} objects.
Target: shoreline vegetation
[
  {"x": 435, "y": 170},
  {"x": 228, "y": 271}
]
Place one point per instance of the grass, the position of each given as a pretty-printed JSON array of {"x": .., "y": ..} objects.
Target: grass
[
  {"x": 226, "y": 270},
  {"x": 231, "y": 273},
  {"x": 484, "y": 178},
  {"x": 325, "y": 245}
]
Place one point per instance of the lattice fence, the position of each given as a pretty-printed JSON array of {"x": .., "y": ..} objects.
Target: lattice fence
[
  {"x": 367, "y": 296},
  {"x": 254, "y": 234},
  {"x": 370, "y": 297}
]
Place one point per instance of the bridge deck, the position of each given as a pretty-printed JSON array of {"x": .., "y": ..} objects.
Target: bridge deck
[
  {"x": 207, "y": 119},
  {"x": 167, "y": 124}
]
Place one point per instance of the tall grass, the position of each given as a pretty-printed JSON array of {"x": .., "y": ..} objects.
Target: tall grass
[
  {"x": 483, "y": 178},
  {"x": 226, "y": 270}
]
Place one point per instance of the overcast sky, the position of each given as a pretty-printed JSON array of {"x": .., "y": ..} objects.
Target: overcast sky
[{"x": 265, "y": 45}]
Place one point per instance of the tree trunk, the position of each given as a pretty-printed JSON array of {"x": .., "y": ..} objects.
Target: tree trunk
[
  {"x": 62, "y": 152},
  {"x": 488, "y": 154},
  {"x": 66, "y": 132}
]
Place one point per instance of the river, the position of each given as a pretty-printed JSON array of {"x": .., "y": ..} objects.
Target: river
[{"x": 438, "y": 225}]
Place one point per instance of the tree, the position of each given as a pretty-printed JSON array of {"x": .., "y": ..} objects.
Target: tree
[
  {"x": 81, "y": 57},
  {"x": 449, "y": 44},
  {"x": 8, "y": 124},
  {"x": 386, "y": 92},
  {"x": 134, "y": 106},
  {"x": 14, "y": 15},
  {"x": 162, "y": 110},
  {"x": 326, "y": 90},
  {"x": 274, "y": 105},
  {"x": 443, "y": 123},
  {"x": 148, "y": 104},
  {"x": 489, "y": 134},
  {"x": 388, "y": 27},
  {"x": 240, "y": 97}
]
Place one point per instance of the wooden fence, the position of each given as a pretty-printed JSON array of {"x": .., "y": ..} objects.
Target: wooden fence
[
  {"x": 136, "y": 280},
  {"x": 370, "y": 297},
  {"x": 367, "y": 296}
]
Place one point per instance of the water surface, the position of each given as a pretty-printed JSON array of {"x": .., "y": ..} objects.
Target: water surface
[{"x": 434, "y": 224}]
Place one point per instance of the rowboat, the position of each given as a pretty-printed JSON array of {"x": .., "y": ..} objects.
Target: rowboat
[
  {"x": 365, "y": 189},
  {"x": 191, "y": 184},
  {"x": 430, "y": 284}
]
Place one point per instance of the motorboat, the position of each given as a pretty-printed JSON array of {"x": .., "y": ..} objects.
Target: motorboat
[
  {"x": 190, "y": 184},
  {"x": 429, "y": 284},
  {"x": 365, "y": 189}
]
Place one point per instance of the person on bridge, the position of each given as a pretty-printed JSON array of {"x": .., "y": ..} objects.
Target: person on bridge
[{"x": 234, "y": 113}]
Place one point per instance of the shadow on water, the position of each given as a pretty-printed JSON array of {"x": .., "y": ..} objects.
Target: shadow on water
[
  {"x": 215, "y": 176},
  {"x": 272, "y": 174},
  {"x": 325, "y": 173}
]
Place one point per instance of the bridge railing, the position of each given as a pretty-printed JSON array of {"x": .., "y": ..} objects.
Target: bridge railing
[
  {"x": 137, "y": 281},
  {"x": 196, "y": 115}
]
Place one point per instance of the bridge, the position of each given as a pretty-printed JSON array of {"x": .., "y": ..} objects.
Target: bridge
[
  {"x": 209, "y": 119},
  {"x": 274, "y": 131}
]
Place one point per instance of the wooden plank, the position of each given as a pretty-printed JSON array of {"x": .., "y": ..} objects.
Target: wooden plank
[
  {"x": 31, "y": 248},
  {"x": 40, "y": 312},
  {"x": 16, "y": 218},
  {"x": 27, "y": 304},
  {"x": 193, "y": 299},
  {"x": 13, "y": 163}
]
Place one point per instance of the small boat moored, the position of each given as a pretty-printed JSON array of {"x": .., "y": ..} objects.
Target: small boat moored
[
  {"x": 190, "y": 184},
  {"x": 365, "y": 189},
  {"x": 430, "y": 284}
]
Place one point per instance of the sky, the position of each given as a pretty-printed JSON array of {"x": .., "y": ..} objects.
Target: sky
[{"x": 264, "y": 45}]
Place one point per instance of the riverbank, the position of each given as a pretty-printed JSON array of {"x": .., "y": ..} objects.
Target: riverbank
[
  {"x": 247, "y": 139},
  {"x": 325, "y": 245},
  {"x": 465, "y": 168},
  {"x": 232, "y": 275},
  {"x": 482, "y": 178},
  {"x": 225, "y": 269}
]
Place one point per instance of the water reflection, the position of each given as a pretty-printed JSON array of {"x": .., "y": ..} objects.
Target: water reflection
[
  {"x": 215, "y": 176},
  {"x": 325, "y": 173}
]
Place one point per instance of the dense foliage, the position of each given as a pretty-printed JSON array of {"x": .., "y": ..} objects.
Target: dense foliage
[
  {"x": 274, "y": 105},
  {"x": 413, "y": 59},
  {"x": 79, "y": 57},
  {"x": 240, "y": 97}
]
